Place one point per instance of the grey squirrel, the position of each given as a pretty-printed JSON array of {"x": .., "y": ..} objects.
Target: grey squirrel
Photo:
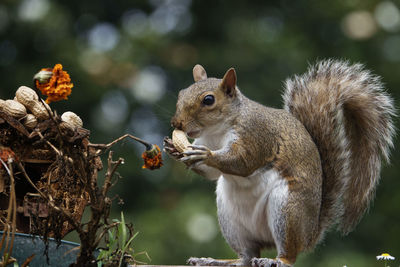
[{"x": 285, "y": 176}]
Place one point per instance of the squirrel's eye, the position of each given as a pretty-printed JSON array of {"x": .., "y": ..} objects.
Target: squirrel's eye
[{"x": 208, "y": 100}]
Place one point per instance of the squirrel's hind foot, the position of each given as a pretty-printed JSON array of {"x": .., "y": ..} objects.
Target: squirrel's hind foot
[
  {"x": 266, "y": 262},
  {"x": 213, "y": 262}
]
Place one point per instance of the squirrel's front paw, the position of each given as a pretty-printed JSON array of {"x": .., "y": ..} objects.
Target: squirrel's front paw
[
  {"x": 196, "y": 153},
  {"x": 170, "y": 149}
]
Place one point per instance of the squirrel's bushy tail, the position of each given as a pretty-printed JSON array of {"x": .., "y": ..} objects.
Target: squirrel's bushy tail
[{"x": 349, "y": 116}]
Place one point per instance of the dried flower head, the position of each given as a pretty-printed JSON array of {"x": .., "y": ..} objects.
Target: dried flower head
[
  {"x": 54, "y": 83},
  {"x": 5, "y": 154},
  {"x": 152, "y": 158}
]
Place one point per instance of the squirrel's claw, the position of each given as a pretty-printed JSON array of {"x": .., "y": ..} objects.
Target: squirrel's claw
[
  {"x": 170, "y": 149},
  {"x": 266, "y": 262},
  {"x": 199, "y": 147},
  {"x": 193, "y": 152},
  {"x": 168, "y": 142},
  {"x": 196, "y": 153},
  {"x": 193, "y": 158}
]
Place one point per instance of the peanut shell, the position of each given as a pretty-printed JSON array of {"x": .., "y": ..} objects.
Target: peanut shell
[
  {"x": 71, "y": 120},
  {"x": 30, "y": 100},
  {"x": 26, "y": 96},
  {"x": 30, "y": 121},
  {"x": 39, "y": 110},
  {"x": 13, "y": 108},
  {"x": 180, "y": 140}
]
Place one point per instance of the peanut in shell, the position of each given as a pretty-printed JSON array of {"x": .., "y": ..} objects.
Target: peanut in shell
[
  {"x": 30, "y": 100},
  {"x": 71, "y": 120},
  {"x": 30, "y": 121},
  {"x": 180, "y": 140},
  {"x": 13, "y": 108}
]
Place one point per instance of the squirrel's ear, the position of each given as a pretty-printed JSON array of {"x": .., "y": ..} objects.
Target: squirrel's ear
[
  {"x": 199, "y": 73},
  {"x": 228, "y": 83}
]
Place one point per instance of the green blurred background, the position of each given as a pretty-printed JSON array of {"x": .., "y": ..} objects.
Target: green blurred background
[{"x": 128, "y": 60}]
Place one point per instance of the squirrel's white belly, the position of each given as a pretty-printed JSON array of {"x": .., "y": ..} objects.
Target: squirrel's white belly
[{"x": 251, "y": 203}]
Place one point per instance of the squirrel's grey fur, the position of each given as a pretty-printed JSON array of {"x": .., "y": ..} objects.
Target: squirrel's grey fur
[{"x": 349, "y": 116}]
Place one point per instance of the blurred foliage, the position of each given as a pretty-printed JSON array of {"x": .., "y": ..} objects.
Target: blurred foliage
[{"x": 128, "y": 60}]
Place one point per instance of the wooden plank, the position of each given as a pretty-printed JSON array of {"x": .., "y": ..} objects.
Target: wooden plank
[
  {"x": 159, "y": 265},
  {"x": 39, "y": 161},
  {"x": 139, "y": 265}
]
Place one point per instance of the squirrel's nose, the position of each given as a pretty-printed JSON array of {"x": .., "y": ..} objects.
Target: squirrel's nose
[{"x": 177, "y": 124}]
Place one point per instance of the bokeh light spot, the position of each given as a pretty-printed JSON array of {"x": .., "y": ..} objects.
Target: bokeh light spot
[
  {"x": 103, "y": 37},
  {"x": 387, "y": 16},
  {"x": 359, "y": 25},
  {"x": 201, "y": 227},
  {"x": 170, "y": 16},
  {"x": 93, "y": 62},
  {"x": 134, "y": 22},
  {"x": 31, "y": 10},
  {"x": 111, "y": 113},
  {"x": 114, "y": 107},
  {"x": 149, "y": 85}
]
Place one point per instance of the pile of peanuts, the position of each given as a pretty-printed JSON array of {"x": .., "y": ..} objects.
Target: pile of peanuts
[{"x": 27, "y": 108}]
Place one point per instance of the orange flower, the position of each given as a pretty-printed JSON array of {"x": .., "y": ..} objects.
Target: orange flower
[
  {"x": 5, "y": 154},
  {"x": 152, "y": 158},
  {"x": 54, "y": 83}
]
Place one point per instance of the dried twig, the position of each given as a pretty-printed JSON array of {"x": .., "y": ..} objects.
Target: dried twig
[
  {"x": 100, "y": 208},
  {"x": 13, "y": 198},
  {"x": 112, "y": 167},
  {"x": 107, "y": 146},
  {"x": 28, "y": 260},
  {"x": 11, "y": 211},
  {"x": 50, "y": 144}
]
